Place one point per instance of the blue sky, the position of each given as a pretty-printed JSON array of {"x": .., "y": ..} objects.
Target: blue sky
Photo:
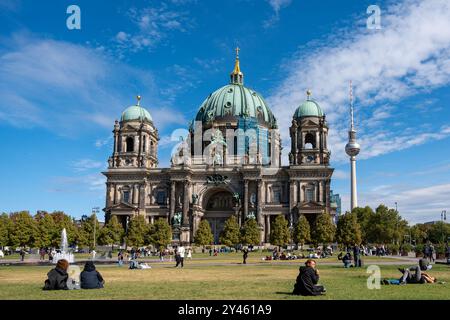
[{"x": 61, "y": 89}]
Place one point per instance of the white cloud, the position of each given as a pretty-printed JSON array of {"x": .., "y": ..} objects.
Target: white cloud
[
  {"x": 415, "y": 204},
  {"x": 153, "y": 26},
  {"x": 276, "y": 5},
  {"x": 79, "y": 184},
  {"x": 74, "y": 88},
  {"x": 340, "y": 174},
  {"x": 409, "y": 55},
  {"x": 87, "y": 164}
]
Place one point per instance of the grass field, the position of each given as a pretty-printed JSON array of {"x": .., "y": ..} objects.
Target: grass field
[{"x": 230, "y": 281}]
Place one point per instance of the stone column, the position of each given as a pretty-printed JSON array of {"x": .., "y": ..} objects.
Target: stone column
[
  {"x": 267, "y": 228},
  {"x": 245, "y": 198},
  {"x": 116, "y": 142},
  {"x": 173, "y": 186},
  {"x": 142, "y": 193},
  {"x": 317, "y": 140},
  {"x": 135, "y": 194},
  {"x": 152, "y": 219},
  {"x": 116, "y": 194},
  {"x": 186, "y": 203},
  {"x": 302, "y": 194},
  {"x": 259, "y": 203},
  {"x": 136, "y": 144},
  {"x": 291, "y": 195},
  {"x": 321, "y": 191},
  {"x": 295, "y": 149},
  {"x": 150, "y": 194}
]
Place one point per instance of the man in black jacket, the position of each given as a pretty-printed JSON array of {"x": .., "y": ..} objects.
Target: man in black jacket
[{"x": 307, "y": 280}]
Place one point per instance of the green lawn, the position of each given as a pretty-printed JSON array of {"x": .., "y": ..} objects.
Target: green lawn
[{"x": 232, "y": 281}]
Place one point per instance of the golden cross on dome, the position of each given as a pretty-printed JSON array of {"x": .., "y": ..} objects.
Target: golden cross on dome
[{"x": 237, "y": 52}]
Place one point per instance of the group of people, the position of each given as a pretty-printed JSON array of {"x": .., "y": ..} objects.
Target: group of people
[
  {"x": 58, "y": 277},
  {"x": 350, "y": 260}
]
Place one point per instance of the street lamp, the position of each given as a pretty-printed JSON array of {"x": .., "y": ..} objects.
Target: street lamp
[
  {"x": 95, "y": 210},
  {"x": 443, "y": 218}
]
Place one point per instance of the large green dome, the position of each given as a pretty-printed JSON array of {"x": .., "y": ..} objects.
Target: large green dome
[
  {"x": 136, "y": 113},
  {"x": 309, "y": 108},
  {"x": 235, "y": 101}
]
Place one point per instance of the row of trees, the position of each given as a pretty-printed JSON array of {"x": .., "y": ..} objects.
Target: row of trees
[
  {"x": 362, "y": 225},
  {"x": 21, "y": 229}
]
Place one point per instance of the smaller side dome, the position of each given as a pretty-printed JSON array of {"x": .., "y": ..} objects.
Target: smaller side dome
[
  {"x": 136, "y": 112},
  {"x": 309, "y": 108}
]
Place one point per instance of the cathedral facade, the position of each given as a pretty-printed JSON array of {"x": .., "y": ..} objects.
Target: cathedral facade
[{"x": 229, "y": 164}]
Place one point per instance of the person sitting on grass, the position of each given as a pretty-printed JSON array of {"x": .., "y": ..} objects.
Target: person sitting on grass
[
  {"x": 306, "y": 284},
  {"x": 347, "y": 260},
  {"x": 57, "y": 277},
  {"x": 91, "y": 278}
]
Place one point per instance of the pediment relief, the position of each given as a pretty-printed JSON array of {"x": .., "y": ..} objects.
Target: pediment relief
[
  {"x": 123, "y": 206},
  {"x": 310, "y": 205}
]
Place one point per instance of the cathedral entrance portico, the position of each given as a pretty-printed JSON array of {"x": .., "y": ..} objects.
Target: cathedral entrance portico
[{"x": 218, "y": 207}]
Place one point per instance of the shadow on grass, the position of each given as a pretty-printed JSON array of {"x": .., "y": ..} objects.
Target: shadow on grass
[{"x": 285, "y": 293}]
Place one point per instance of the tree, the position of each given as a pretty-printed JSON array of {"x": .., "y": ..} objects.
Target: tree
[
  {"x": 439, "y": 232},
  {"x": 279, "y": 231},
  {"x": 250, "y": 232},
  {"x": 137, "y": 231},
  {"x": 364, "y": 216},
  {"x": 62, "y": 221},
  {"x": 348, "y": 231},
  {"x": 86, "y": 232},
  {"x": 230, "y": 234},
  {"x": 203, "y": 236},
  {"x": 160, "y": 234},
  {"x": 324, "y": 229},
  {"x": 111, "y": 233},
  {"x": 23, "y": 229},
  {"x": 386, "y": 226},
  {"x": 302, "y": 231},
  {"x": 419, "y": 232},
  {"x": 5, "y": 227},
  {"x": 46, "y": 229}
]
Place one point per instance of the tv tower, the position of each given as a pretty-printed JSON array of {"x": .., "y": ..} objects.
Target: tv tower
[{"x": 352, "y": 149}]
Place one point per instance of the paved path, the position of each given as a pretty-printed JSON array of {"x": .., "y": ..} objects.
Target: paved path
[{"x": 387, "y": 260}]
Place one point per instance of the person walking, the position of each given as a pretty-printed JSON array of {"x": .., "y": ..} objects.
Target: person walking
[
  {"x": 22, "y": 254},
  {"x": 432, "y": 254},
  {"x": 245, "y": 255},
  {"x": 180, "y": 252},
  {"x": 120, "y": 258},
  {"x": 357, "y": 256},
  {"x": 189, "y": 253}
]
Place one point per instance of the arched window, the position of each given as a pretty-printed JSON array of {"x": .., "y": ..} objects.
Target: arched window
[
  {"x": 130, "y": 144},
  {"x": 144, "y": 144},
  {"x": 310, "y": 141}
]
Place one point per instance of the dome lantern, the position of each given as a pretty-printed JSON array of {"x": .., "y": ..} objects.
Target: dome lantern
[
  {"x": 309, "y": 108},
  {"x": 236, "y": 76},
  {"x": 136, "y": 112}
]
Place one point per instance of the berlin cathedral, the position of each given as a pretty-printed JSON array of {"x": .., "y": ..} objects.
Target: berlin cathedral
[{"x": 228, "y": 164}]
